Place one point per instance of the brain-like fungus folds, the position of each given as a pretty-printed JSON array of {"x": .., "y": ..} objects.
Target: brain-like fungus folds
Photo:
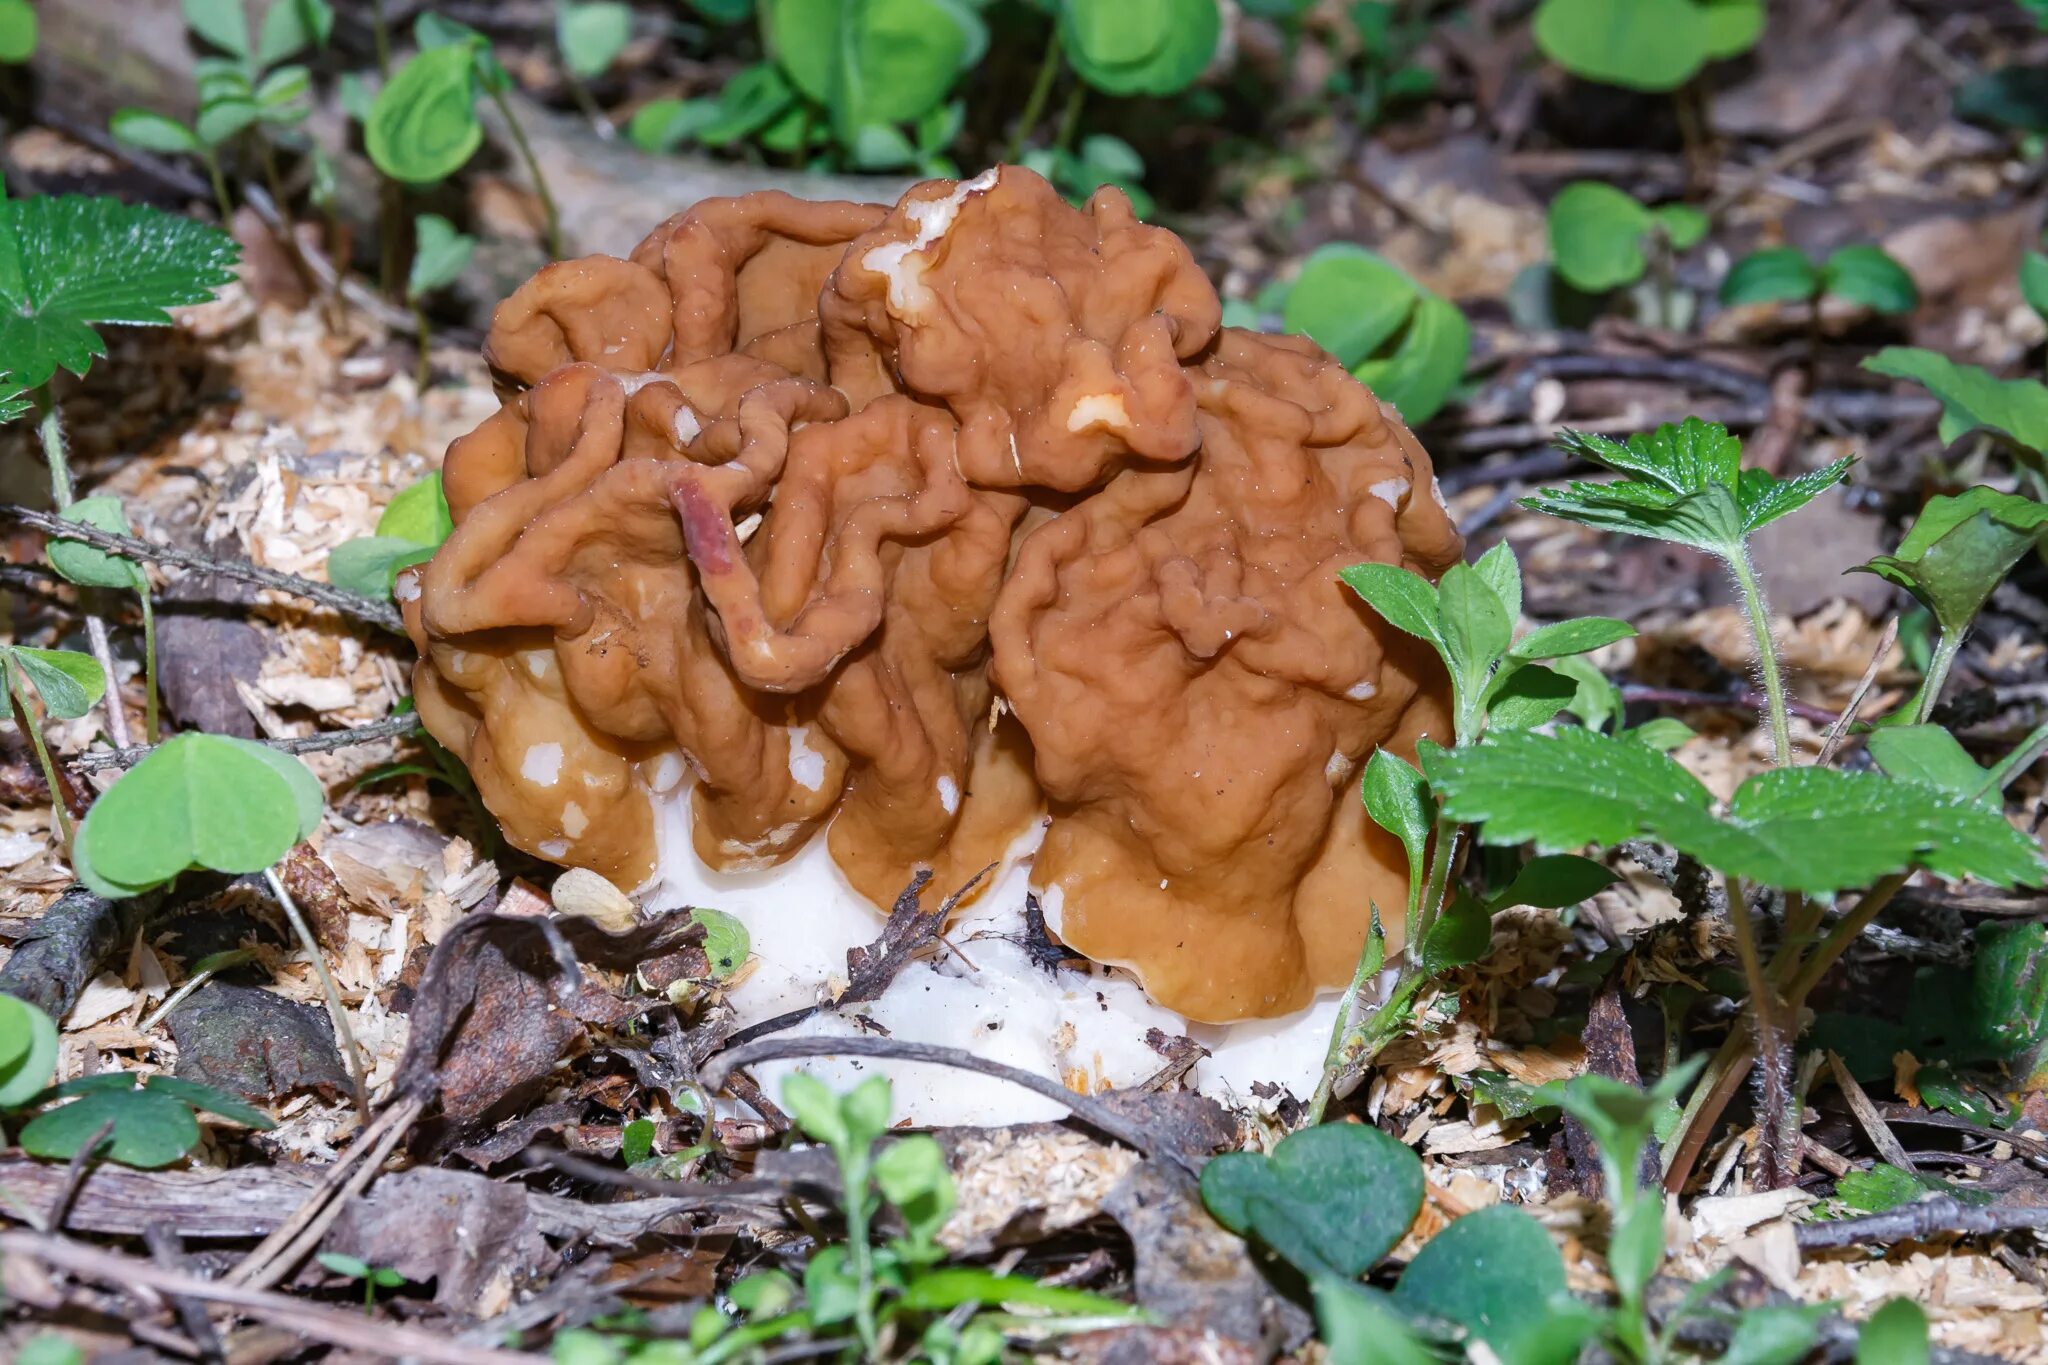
[{"x": 925, "y": 530}]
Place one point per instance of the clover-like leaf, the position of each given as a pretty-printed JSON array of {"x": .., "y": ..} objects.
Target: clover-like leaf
[
  {"x": 370, "y": 565},
  {"x": 28, "y": 1051},
  {"x": 211, "y": 1100},
  {"x": 1779, "y": 274},
  {"x": 1140, "y": 47},
  {"x": 150, "y": 1128},
  {"x": 69, "y": 263},
  {"x": 1427, "y": 362},
  {"x": 1349, "y": 301},
  {"x": 89, "y": 566},
  {"x": 69, "y": 683},
  {"x": 1495, "y": 1273},
  {"x": 418, "y": 512},
  {"x": 422, "y": 125},
  {"x": 1960, "y": 548},
  {"x": 1596, "y": 236},
  {"x": 1971, "y": 397},
  {"x": 874, "y": 62},
  {"x": 440, "y": 254},
  {"x": 1896, "y": 1334},
  {"x": 17, "y": 31},
  {"x": 1329, "y": 1201},
  {"x": 195, "y": 801},
  {"x": 592, "y": 35},
  {"x": 1686, "y": 485},
  {"x": 726, "y": 941},
  {"x": 1644, "y": 44},
  {"x": 1870, "y": 276}
]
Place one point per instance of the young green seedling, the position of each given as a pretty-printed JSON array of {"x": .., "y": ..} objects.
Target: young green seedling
[
  {"x": 1099, "y": 160},
  {"x": 69, "y": 685},
  {"x": 1407, "y": 344},
  {"x": 1602, "y": 239},
  {"x": 422, "y": 126},
  {"x": 147, "y": 1126},
  {"x": 17, "y": 31},
  {"x": 439, "y": 255},
  {"x": 1651, "y": 45},
  {"x": 590, "y": 36},
  {"x": 1862, "y": 274},
  {"x": 372, "y": 1277},
  {"x": 411, "y": 528},
  {"x": 1972, "y": 399},
  {"x": 93, "y": 568}
]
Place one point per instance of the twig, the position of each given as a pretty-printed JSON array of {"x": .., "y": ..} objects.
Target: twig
[
  {"x": 336, "y": 1010},
  {"x": 326, "y": 594},
  {"x": 1872, "y": 1123},
  {"x": 354, "y": 1331},
  {"x": 1840, "y": 730},
  {"x": 320, "y": 742},
  {"x": 1087, "y": 1109},
  {"x": 74, "y": 1176},
  {"x": 166, "y": 1250},
  {"x": 1786, "y": 157},
  {"x": 288, "y": 1244},
  {"x": 1919, "y": 1221}
]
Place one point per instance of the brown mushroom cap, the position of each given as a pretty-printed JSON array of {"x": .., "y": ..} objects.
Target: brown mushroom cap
[{"x": 919, "y": 524}]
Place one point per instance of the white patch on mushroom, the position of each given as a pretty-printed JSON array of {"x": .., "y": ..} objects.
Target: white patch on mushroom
[
  {"x": 949, "y": 795},
  {"x": 688, "y": 426},
  {"x": 806, "y": 765},
  {"x": 406, "y": 588},
  {"x": 745, "y": 530},
  {"x": 554, "y": 848},
  {"x": 574, "y": 821},
  {"x": 539, "y": 662},
  {"x": 1098, "y": 410},
  {"x": 1361, "y": 690},
  {"x": 1338, "y": 765},
  {"x": 1391, "y": 491},
  {"x": 542, "y": 764},
  {"x": 667, "y": 772},
  {"x": 903, "y": 263},
  {"x": 632, "y": 383},
  {"x": 1436, "y": 490}
]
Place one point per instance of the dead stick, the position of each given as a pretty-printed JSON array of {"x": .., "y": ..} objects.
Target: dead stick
[
  {"x": 320, "y": 742},
  {"x": 1918, "y": 1222}
]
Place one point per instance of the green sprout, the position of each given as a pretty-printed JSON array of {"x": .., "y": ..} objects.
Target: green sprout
[{"x": 373, "y": 1277}]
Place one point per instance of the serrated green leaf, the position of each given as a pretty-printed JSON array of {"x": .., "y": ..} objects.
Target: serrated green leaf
[
  {"x": 152, "y": 132},
  {"x": 1971, "y": 397},
  {"x": 150, "y": 1129},
  {"x": 70, "y": 684},
  {"x": 1580, "y": 635},
  {"x": 440, "y": 254},
  {"x": 94, "y": 568},
  {"x": 220, "y": 22},
  {"x": 1596, "y": 236},
  {"x": 1330, "y": 1200},
  {"x": 1553, "y": 881},
  {"x": 1896, "y": 1334},
  {"x": 1403, "y": 598},
  {"x": 1930, "y": 755},
  {"x": 422, "y": 125},
  {"x": 1868, "y": 275},
  {"x": 1960, "y": 548},
  {"x": 1560, "y": 791},
  {"x": 1781, "y": 274},
  {"x": 1503, "y": 573},
  {"x": 1763, "y": 497},
  {"x": 89, "y": 261},
  {"x": 592, "y": 35}
]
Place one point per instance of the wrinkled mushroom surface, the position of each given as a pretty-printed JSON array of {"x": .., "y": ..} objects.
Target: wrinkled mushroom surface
[{"x": 923, "y": 529}]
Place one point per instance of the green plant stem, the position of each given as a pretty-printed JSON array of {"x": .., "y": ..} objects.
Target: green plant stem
[
  {"x": 854, "y": 1173},
  {"x": 1662, "y": 270},
  {"x": 24, "y": 717},
  {"x": 50, "y": 431},
  {"x": 380, "y": 33},
  {"x": 1070, "y": 117},
  {"x": 1805, "y": 976},
  {"x": 150, "y": 720},
  {"x": 1034, "y": 103},
  {"x": 425, "y": 374},
  {"x": 2024, "y": 756},
  {"x": 185, "y": 989},
  {"x": 220, "y": 186},
  {"x": 540, "y": 181},
  {"x": 1717, "y": 1086},
  {"x": 1946, "y": 646},
  {"x": 335, "y": 1009},
  {"x": 1766, "y": 652}
]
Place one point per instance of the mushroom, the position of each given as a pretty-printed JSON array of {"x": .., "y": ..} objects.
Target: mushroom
[{"x": 940, "y": 535}]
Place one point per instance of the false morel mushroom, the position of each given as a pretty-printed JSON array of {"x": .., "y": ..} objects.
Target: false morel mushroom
[{"x": 933, "y": 531}]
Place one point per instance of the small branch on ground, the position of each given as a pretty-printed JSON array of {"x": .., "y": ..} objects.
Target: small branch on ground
[
  {"x": 320, "y": 742},
  {"x": 1935, "y": 1217}
]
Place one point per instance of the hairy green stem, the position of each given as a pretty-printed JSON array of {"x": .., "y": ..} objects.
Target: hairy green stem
[
  {"x": 1034, "y": 103},
  {"x": 1766, "y": 651},
  {"x": 335, "y": 1009},
  {"x": 540, "y": 181},
  {"x": 24, "y": 716},
  {"x": 50, "y": 431}
]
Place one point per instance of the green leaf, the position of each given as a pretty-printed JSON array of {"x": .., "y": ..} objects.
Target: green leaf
[
  {"x": 1494, "y": 1272},
  {"x": 830, "y": 1290},
  {"x": 1553, "y": 881},
  {"x": 150, "y": 1129},
  {"x": 281, "y": 87},
  {"x": 1399, "y": 803},
  {"x": 1960, "y": 548},
  {"x": 152, "y": 132},
  {"x": 222, "y": 119},
  {"x": 345, "y": 1265},
  {"x": 1503, "y": 573},
  {"x": 1461, "y": 934},
  {"x": 28, "y": 1051},
  {"x": 1780, "y": 274},
  {"x": 47, "y": 1348},
  {"x": 1140, "y": 47},
  {"x": 95, "y": 568},
  {"x": 1971, "y": 397},
  {"x": 726, "y": 942},
  {"x": 292, "y": 26},
  {"x": 1330, "y": 1200},
  {"x": 1404, "y": 599},
  {"x": 1597, "y": 700},
  {"x": 593, "y": 35},
  {"x": 1524, "y": 696},
  {"x": 2008, "y": 998},
  {"x": 1622, "y": 1118},
  {"x": 195, "y": 801},
  {"x": 873, "y": 61},
  {"x": 1663, "y": 733},
  {"x": 636, "y": 1141},
  {"x": 309, "y": 799},
  {"x": 1427, "y": 364},
  {"x": 1360, "y": 1327},
  {"x": 1880, "y": 1189},
  {"x": 2034, "y": 281},
  {"x": 749, "y": 102},
  {"x": 1731, "y": 26},
  {"x": 370, "y": 565},
  {"x": 815, "y": 1109},
  {"x": 1348, "y": 301},
  {"x": 1638, "y": 44},
  {"x": 220, "y": 22},
  {"x": 663, "y": 125},
  {"x": 1896, "y": 1334},
  {"x": 763, "y": 1293},
  {"x": 1930, "y": 755},
  {"x": 1476, "y": 627},
  {"x": 17, "y": 43},
  {"x": 1596, "y": 236},
  {"x": 940, "y": 1291},
  {"x": 422, "y": 125},
  {"x": 880, "y": 147},
  {"x": 1774, "y": 1336},
  {"x": 1868, "y": 275},
  {"x": 86, "y": 261},
  {"x": 440, "y": 254},
  {"x": 1560, "y": 791},
  {"x": 1683, "y": 225},
  {"x": 433, "y": 29},
  {"x": 210, "y": 1100},
  {"x": 1580, "y": 635},
  {"x": 70, "y": 684},
  {"x": 866, "y": 1109},
  {"x": 13, "y": 403}
]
